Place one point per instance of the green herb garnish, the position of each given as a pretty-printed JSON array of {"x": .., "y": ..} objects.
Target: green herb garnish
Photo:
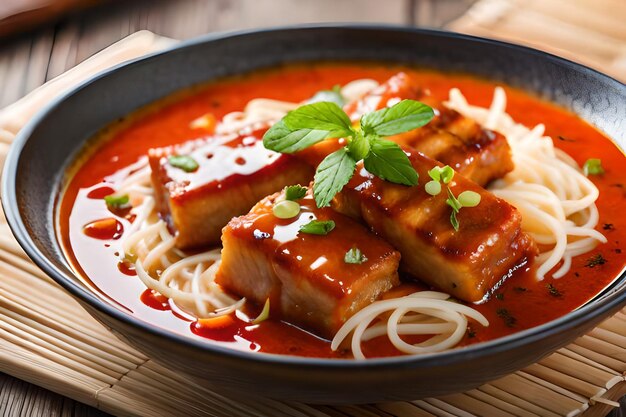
[
  {"x": 117, "y": 201},
  {"x": 593, "y": 166},
  {"x": 184, "y": 162},
  {"x": 505, "y": 315},
  {"x": 500, "y": 296},
  {"x": 354, "y": 256},
  {"x": 469, "y": 198},
  {"x": 456, "y": 207},
  {"x": 595, "y": 261},
  {"x": 465, "y": 199},
  {"x": 286, "y": 209},
  {"x": 553, "y": 291},
  {"x": 294, "y": 192},
  {"x": 444, "y": 174},
  {"x": 333, "y": 95},
  {"x": 318, "y": 227},
  {"x": 471, "y": 333},
  {"x": 433, "y": 187},
  {"x": 312, "y": 123}
]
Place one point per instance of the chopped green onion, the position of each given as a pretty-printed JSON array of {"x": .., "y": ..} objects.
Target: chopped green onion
[
  {"x": 184, "y": 162},
  {"x": 593, "y": 166},
  {"x": 469, "y": 198},
  {"x": 264, "y": 314},
  {"x": 354, "y": 256},
  {"x": 318, "y": 227},
  {"x": 433, "y": 187},
  {"x": 117, "y": 201},
  {"x": 286, "y": 209},
  {"x": 295, "y": 192}
]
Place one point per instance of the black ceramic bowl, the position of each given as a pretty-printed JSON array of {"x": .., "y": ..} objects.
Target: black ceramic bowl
[{"x": 46, "y": 146}]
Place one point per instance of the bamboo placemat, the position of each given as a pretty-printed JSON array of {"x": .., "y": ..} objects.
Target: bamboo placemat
[
  {"x": 591, "y": 32},
  {"x": 47, "y": 339}
]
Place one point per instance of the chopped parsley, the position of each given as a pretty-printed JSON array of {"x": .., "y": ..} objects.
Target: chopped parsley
[
  {"x": 471, "y": 333},
  {"x": 553, "y": 291},
  {"x": 505, "y": 315},
  {"x": 520, "y": 289},
  {"x": 294, "y": 192},
  {"x": 318, "y": 227},
  {"x": 500, "y": 296},
  {"x": 595, "y": 261}
]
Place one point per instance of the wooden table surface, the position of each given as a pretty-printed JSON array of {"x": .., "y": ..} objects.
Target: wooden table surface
[{"x": 30, "y": 59}]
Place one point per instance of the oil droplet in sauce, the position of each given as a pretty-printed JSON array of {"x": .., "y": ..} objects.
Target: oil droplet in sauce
[
  {"x": 100, "y": 192},
  {"x": 104, "y": 229},
  {"x": 155, "y": 300}
]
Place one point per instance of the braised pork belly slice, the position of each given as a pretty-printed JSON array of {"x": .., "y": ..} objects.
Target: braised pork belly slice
[
  {"x": 466, "y": 263},
  {"x": 305, "y": 276},
  {"x": 479, "y": 154},
  {"x": 233, "y": 173}
]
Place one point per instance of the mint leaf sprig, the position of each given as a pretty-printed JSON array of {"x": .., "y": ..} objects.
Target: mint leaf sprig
[{"x": 312, "y": 123}]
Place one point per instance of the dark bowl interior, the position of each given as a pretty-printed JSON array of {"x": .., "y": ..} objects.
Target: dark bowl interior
[{"x": 35, "y": 167}]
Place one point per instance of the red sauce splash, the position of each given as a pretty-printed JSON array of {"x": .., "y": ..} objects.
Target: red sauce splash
[
  {"x": 104, "y": 229},
  {"x": 126, "y": 268},
  {"x": 100, "y": 192},
  {"x": 155, "y": 300}
]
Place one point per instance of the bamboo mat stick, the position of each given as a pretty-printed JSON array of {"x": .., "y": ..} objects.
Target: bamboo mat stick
[
  {"x": 46, "y": 338},
  {"x": 439, "y": 412},
  {"x": 591, "y": 18},
  {"x": 608, "y": 336},
  {"x": 537, "y": 394},
  {"x": 520, "y": 402},
  {"x": 503, "y": 405},
  {"x": 13, "y": 117},
  {"x": 475, "y": 406},
  {"x": 569, "y": 387},
  {"x": 403, "y": 409},
  {"x": 556, "y": 26}
]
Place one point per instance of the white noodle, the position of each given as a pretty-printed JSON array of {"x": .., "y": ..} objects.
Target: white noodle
[
  {"x": 188, "y": 281},
  {"x": 547, "y": 186},
  {"x": 428, "y": 313},
  {"x": 261, "y": 111}
]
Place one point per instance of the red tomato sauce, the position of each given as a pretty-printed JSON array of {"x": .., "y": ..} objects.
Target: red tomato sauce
[{"x": 521, "y": 302}]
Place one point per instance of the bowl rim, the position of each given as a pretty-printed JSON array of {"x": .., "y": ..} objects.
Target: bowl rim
[{"x": 70, "y": 283}]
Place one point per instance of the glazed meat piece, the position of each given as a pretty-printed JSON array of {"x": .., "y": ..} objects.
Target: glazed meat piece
[
  {"x": 466, "y": 263},
  {"x": 478, "y": 154},
  {"x": 233, "y": 173},
  {"x": 305, "y": 276}
]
